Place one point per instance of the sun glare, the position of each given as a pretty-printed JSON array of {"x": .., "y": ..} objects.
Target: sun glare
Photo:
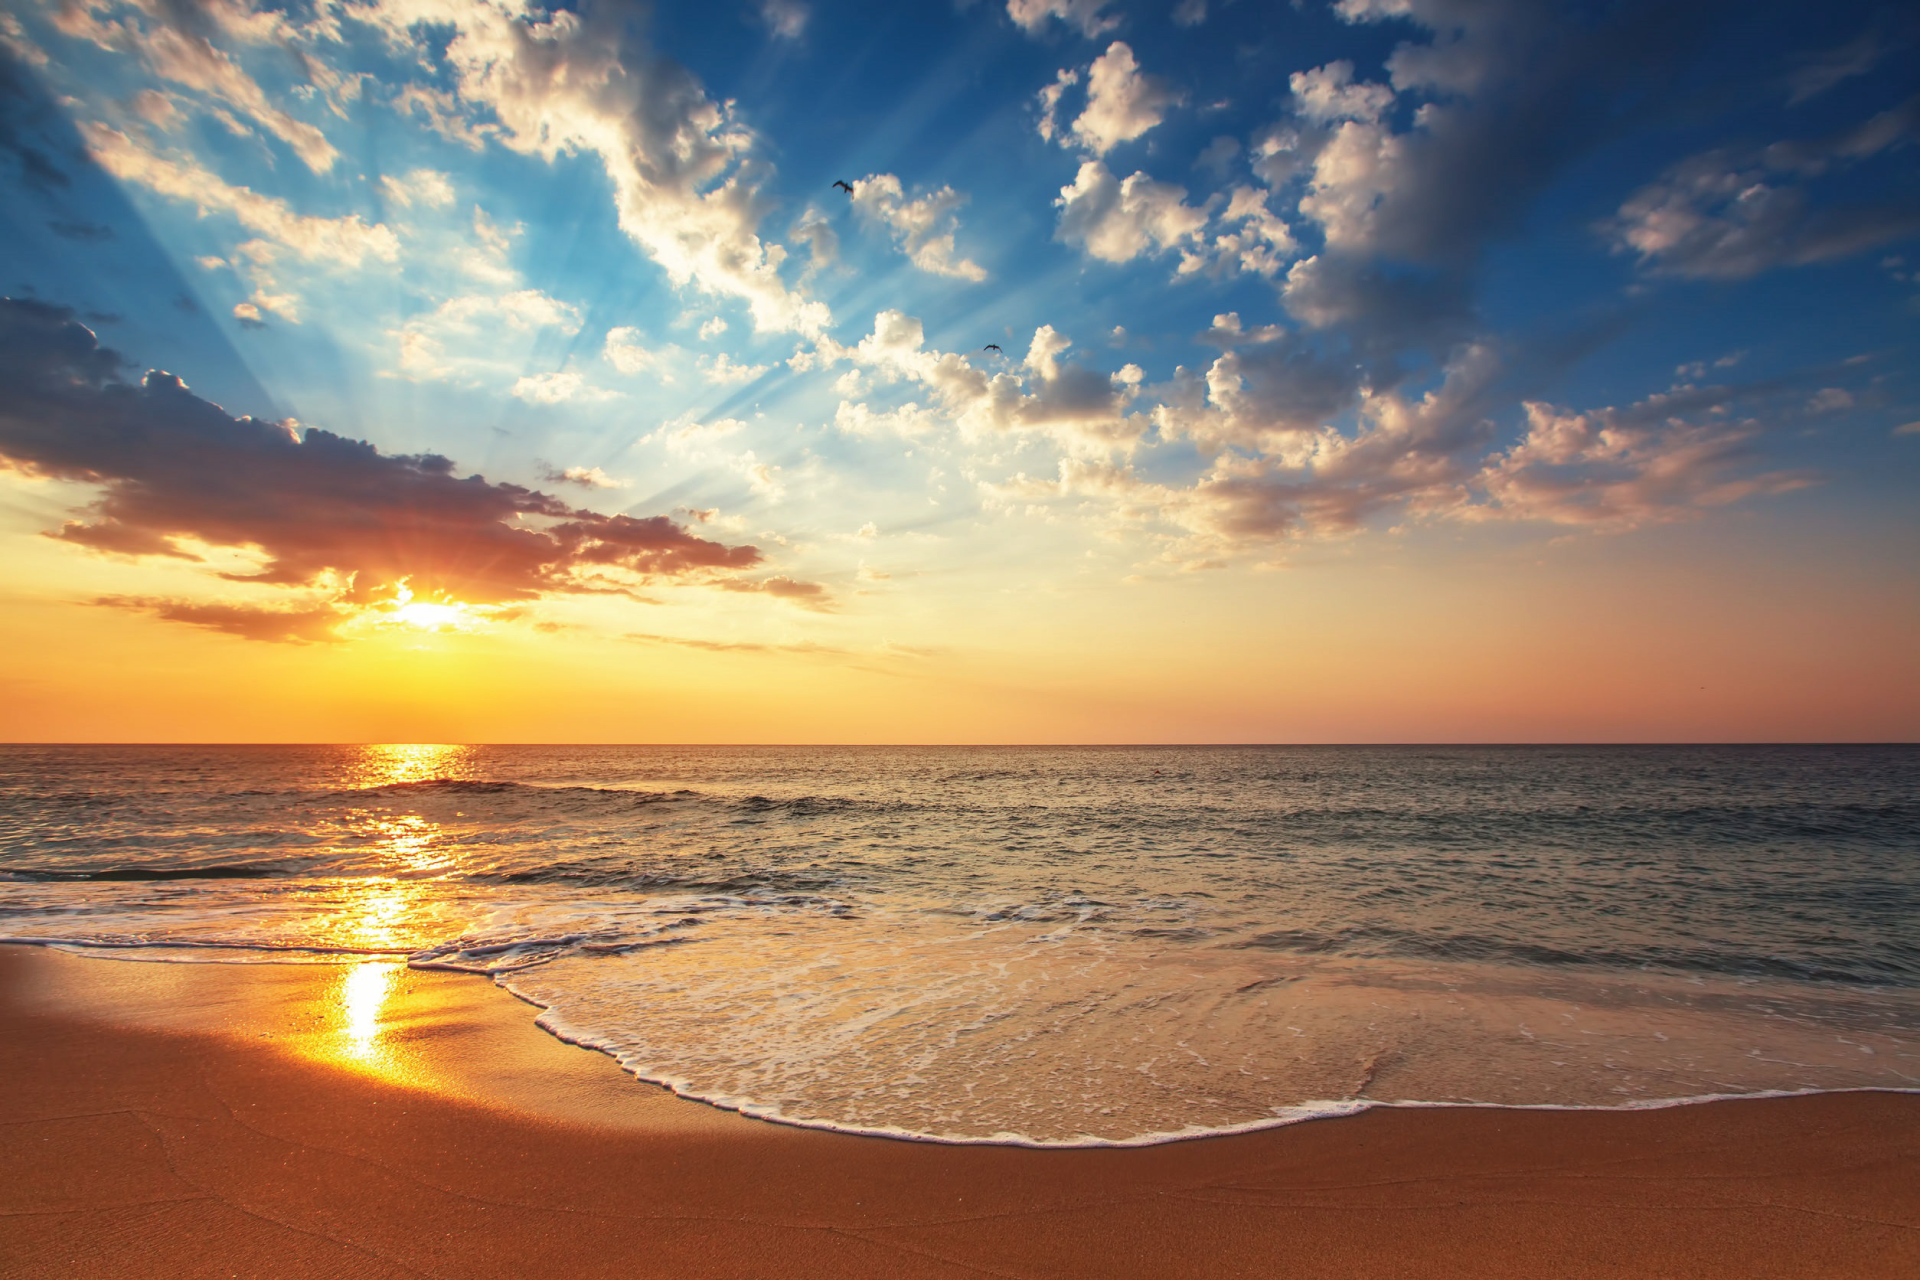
[{"x": 425, "y": 616}]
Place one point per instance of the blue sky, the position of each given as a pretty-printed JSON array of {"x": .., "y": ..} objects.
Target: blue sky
[{"x": 1273, "y": 286}]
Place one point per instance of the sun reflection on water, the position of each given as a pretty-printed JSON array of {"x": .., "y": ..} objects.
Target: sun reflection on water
[
  {"x": 386, "y": 764},
  {"x": 383, "y": 911}
]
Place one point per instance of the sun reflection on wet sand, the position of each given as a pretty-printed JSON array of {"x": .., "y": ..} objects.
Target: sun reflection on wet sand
[{"x": 362, "y": 993}]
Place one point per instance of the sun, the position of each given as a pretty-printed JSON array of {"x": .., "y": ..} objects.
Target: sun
[{"x": 424, "y": 615}]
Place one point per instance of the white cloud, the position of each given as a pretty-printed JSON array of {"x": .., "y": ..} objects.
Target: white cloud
[
  {"x": 1358, "y": 168},
  {"x": 345, "y": 241},
  {"x": 553, "y": 388},
  {"x": 712, "y": 328},
  {"x": 586, "y": 478},
  {"x": 923, "y": 227},
  {"x": 428, "y": 187},
  {"x": 686, "y": 186},
  {"x": 626, "y": 350},
  {"x": 1122, "y": 103},
  {"x": 1049, "y": 98},
  {"x": 1119, "y": 220},
  {"x": 723, "y": 370},
  {"x": 1088, "y": 15},
  {"x": 1326, "y": 94},
  {"x": 158, "y": 109},
  {"x": 786, "y": 19},
  {"x": 1079, "y": 408},
  {"x": 688, "y": 435},
  {"x": 1254, "y": 241},
  {"x": 179, "y": 50},
  {"x": 462, "y": 336}
]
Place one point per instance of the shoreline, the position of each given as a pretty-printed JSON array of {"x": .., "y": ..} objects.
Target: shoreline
[{"x": 229, "y": 1129}]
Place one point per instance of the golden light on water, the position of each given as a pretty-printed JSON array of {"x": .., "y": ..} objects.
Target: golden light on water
[
  {"x": 383, "y": 912},
  {"x": 386, "y": 764}
]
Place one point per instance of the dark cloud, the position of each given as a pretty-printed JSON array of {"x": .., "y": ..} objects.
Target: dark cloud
[
  {"x": 20, "y": 109},
  {"x": 78, "y": 229},
  {"x": 1820, "y": 71},
  {"x": 182, "y": 302},
  {"x": 1728, "y": 215},
  {"x": 318, "y": 509},
  {"x": 1513, "y": 93},
  {"x": 1380, "y": 312}
]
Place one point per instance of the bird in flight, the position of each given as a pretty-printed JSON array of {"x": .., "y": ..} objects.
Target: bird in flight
[
  {"x": 993, "y": 346},
  {"x": 844, "y": 187}
]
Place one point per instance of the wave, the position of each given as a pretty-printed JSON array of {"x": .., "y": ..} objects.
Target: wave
[
  {"x": 1901, "y": 967},
  {"x": 46, "y": 875}
]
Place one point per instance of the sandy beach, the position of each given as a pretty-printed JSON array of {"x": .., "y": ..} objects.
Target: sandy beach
[{"x": 171, "y": 1120}]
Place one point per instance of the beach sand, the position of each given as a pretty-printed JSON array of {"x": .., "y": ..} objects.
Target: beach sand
[{"x": 371, "y": 1121}]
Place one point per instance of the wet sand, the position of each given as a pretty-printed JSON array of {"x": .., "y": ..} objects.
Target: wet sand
[{"x": 370, "y": 1121}]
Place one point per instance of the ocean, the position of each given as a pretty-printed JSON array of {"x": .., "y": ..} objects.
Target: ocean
[{"x": 1065, "y": 946}]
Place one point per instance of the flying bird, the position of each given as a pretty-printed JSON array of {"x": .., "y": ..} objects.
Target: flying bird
[
  {"x": 993, "y": 346},
  {"x": 844, "y": 187}
]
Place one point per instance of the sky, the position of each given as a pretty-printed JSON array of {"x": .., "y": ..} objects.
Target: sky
[{"x": 1005, "y": 371}]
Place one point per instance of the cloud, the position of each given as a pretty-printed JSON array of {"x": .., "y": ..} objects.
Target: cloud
[
  {"x": 626, "y": 350},
  {"x": 786, "y": 19},
  {"x": 1252, "y": 241},
  {"x": 314, "y": 625},
  {"x": 176, "y": 43},
  {"x": 316, "y": 510},
  {"x": 585, "y": 477},
  {"x": 1728, "y": 216},
  {"x": 688, "y": 435},
  {"x": 1189, "y": 13},
  {"x": 1821, "y": 71},
  {"x": 1381, "y": 312},
  {"x": 723, "y": 370},
  {"x": 1264, "y": 398},
  {"x": 686, "y": 183},
  {"x": 428, "y": 187},
  {"x": 1217, "y": 157},
  {"x": 1122, "y": 103},
  {"x": 808, "y": 595},
  {"x": 461, "y": 338},
  {"x": 1089, "y": 16},
  {"x": 345, "y": 241},
  {"x": 1079, "y": 408},
  {"x": 1614, "y": 469},
  {"x": 923, "y": 227},
  {"x": 732, "y": 646},
  {"x": 1328, "y": 94},
  {"x": 1119, "y": 220},
  {"x": 1504, "y": 94},
  {"x": 556, "y": 388},
  {"x": 1049, "y": 99}
]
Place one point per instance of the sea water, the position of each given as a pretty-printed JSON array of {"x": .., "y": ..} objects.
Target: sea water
[{"x": 1069, "y": 946}]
